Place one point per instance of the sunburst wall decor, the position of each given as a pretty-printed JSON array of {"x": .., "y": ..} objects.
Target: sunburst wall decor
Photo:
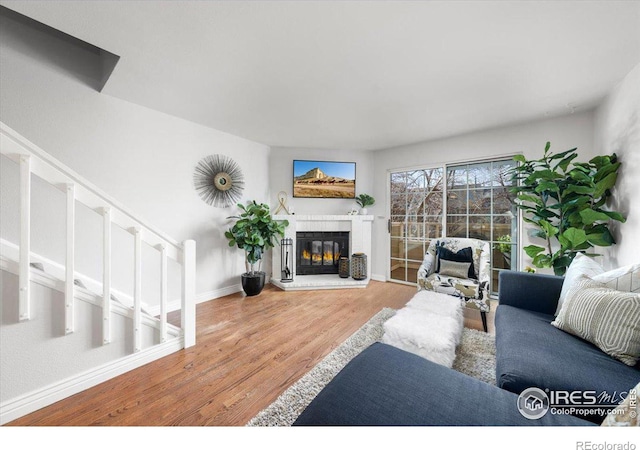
[{"x": 218, "y": 180}]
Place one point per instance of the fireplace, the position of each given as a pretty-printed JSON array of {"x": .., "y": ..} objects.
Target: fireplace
[{"x": 318, "y": 252}]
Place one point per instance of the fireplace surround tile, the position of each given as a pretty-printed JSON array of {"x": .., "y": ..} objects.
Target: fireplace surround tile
[{"x": 359, "y": 228}]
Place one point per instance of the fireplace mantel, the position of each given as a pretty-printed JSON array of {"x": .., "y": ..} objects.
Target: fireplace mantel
[{"x": 359, "y": 227}]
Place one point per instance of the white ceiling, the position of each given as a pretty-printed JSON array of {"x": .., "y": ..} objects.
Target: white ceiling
[{"x": 356, "y": 75}]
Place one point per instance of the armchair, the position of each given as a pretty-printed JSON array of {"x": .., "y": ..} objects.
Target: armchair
[{"x": 472, "y": 290}]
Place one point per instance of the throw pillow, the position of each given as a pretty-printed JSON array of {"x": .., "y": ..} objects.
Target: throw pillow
[
  {"x": 626, "y": 413},
  {"x": 454, "y": 269},
  {"x": 625, "y": 278},
  {"x": 462, "y": 255},
  {"x": 605, "y": 317},
  {"x": 581, "y": 265}
]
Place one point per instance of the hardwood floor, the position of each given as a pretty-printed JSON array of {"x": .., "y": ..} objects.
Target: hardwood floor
[{"x": 248, "y": 351}]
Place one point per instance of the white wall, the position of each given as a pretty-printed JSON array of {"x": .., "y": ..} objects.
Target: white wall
[
  {"x": 564, "y": 133},
  {"x": 142, "y": 158},
  {"x": 618, "y": 131},
  {"x": 281, "y": 178}
]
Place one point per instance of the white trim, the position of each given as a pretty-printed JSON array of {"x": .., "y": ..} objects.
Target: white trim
[
  {"x": 27, "y": 403},
  {"x": 217, "y": 293},
  {"x": 378, "y": 277}
]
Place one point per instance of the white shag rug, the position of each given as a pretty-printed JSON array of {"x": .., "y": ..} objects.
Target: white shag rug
[{"x": 475, "y": 356}]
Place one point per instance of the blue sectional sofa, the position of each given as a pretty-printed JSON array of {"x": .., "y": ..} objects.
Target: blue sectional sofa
[
  {"x": 384, "y": 385},
  {"x": 532, "y": 352}
]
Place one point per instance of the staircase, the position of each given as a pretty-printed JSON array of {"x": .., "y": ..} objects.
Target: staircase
[{"x": 140, "y": 332}]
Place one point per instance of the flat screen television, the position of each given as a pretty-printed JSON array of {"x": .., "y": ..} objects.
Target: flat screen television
[{"x": 324, "y": 179}]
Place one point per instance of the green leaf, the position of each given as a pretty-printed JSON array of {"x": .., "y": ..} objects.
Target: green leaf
[
  {"x": 615, "y": 216},
  {"x": 519, "y": 158},
  {"x": 575, "y": 236},
  {"x": 545, "y": 174},
  {"x": 588, "y": 190},
  {"x": 564, "y": 164},
  {"x": 606, "y": 183},
  {"x": 530, "y": 198},
  {"x": 549, "y": 186},
  {"x": 533, "y": 250},
  {"x": 606, "y": 170},
  {"x": 548, "y": 228},
  {"x": 579, "y": 175},
  {"x": 603, "y": 239},
  {"x": 542, "y": 261},
  {"x": 590, "y": 216}
]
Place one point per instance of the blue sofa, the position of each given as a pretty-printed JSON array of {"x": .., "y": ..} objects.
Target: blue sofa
[
  {"x": 532, "y": 352},
  {"x": 384, "y": 385}
]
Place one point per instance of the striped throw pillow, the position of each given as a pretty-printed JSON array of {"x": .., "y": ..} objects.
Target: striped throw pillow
[{"x": 607, "y": 318}]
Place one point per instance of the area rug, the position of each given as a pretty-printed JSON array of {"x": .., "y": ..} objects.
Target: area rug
[{"x": 475, "y": 356}]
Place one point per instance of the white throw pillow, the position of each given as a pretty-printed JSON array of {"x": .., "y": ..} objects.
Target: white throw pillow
[
  {"x": 581, "y": 265},
  {"x": 607, "y": 318},
  {"x": 625, "y": 278}
]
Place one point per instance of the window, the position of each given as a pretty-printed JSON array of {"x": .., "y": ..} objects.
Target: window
[
  {"x": 416, "y": 200},
  {"x": 479, "y": 205}
]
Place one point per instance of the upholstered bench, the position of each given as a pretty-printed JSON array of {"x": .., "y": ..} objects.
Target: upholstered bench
[{"x": 430, "y": 325}]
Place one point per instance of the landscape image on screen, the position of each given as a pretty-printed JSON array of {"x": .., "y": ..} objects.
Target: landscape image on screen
[{"x": 324, "y": 179}]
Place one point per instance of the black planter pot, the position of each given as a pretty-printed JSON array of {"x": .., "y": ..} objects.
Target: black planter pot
[{"x": 252, "y": 283}]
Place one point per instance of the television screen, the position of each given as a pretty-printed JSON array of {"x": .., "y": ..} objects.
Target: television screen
[{"x": 324, "y": 179}]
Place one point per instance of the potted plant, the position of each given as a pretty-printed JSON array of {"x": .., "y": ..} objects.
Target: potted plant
[
  {"x": 254, "y": 231},
  {"x": 565, "y": 202},
  {"x": 503, "y": 245},
  {"x": 364, "y": 200}
]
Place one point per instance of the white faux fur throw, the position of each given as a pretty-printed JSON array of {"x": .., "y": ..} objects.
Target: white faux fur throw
[
  {"x": 437, "y": 303},
  {"x": 430, "y": 327}
]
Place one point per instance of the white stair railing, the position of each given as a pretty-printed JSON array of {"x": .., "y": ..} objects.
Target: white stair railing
[{"x": 33, "y": 160}]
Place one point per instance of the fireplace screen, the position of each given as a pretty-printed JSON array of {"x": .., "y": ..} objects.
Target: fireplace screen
[{"x": 319, "y": 252}]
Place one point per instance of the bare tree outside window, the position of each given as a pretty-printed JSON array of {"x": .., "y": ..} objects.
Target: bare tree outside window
[{"x": 478, "y": 205}]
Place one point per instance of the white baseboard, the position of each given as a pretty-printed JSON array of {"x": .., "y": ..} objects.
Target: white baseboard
[
  {"x": 28, "y": 403},
  {"x": 378, "y": 277},
  {"x": 175, "y": 305},
  {"x": 217, "y": 293}
]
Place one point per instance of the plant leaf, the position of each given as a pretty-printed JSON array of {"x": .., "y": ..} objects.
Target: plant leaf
[
  {"x": 589, "y": 216},
  {"x": 533, "y": 250},
  {"x": 606, "y": 183},
  {"x": 575, "y": 236}
]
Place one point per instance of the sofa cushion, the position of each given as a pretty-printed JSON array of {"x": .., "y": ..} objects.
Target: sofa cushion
[
  {"x": 608, "y": 318},
  {"x": 384, "y": 385},
  {"x": 530, "y": 352}
]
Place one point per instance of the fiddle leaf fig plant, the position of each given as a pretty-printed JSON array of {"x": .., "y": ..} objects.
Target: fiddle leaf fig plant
[
  {"x": 255, "y": 232},
  {"x": 565, "y": 202}
]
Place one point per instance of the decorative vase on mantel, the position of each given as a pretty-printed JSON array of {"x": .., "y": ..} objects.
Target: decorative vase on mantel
[{"x": 363, "y": 211}]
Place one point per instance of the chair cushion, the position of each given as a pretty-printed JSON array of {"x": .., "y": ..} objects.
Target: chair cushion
[
  {"x": 530, "y": 352},
  {"x": 464, "y": 255},
  {"x": 471, "y": 291},
  {"x": 454, "y": 269}
]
